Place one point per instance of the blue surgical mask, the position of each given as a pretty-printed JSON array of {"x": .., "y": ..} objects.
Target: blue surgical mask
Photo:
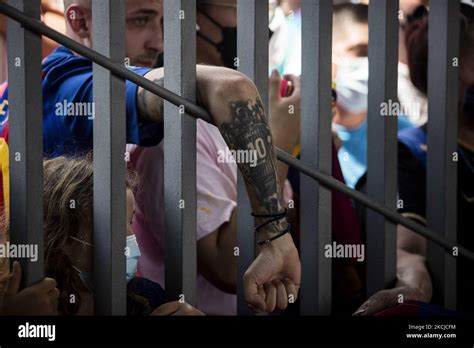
[
  {"x": 352, "y": 83},
  {"x": 87, "y": 278},
  {"x": 132, "y": 254}
]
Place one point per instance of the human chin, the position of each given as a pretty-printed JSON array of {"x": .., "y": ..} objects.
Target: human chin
[{"x": 146, "y": 62}]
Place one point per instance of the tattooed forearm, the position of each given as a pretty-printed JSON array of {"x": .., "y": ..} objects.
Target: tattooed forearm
[
  {"x": 248, "y": 130},
  {"x": 150, "y": 106}
]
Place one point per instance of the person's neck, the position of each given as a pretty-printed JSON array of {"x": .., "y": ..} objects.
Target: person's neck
[{"x": 73, "y": 36}]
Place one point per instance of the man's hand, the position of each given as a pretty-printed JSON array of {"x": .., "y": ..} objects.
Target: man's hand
[
  {"x": 38, "y": 299},
  {"x": 235, "y": 106},
  {"x": 273, "y": 279},
  {"x": 388, "y": 298},
  {"x": 284, "y": 117},
  {"x": 176, "y": 308},
  {"x": 413, "y": 279},
  {"x": 284, "y": 112}
]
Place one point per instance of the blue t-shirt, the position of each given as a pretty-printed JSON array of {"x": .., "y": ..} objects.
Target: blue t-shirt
[
  {"x": 353, "y": 153},
  {"x": 68, "y": 110}
]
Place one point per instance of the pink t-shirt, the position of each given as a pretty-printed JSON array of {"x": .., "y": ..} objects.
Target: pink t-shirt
[{"x": 216, "y": 199}]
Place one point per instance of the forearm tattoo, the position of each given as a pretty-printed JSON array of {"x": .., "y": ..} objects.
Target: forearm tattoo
[
  {"x": 248, "y": 130},
  {"x": 151, "y": 106}
]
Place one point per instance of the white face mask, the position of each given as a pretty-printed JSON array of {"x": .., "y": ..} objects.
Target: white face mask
[
  {"x": 133, "y": 252},
  {"x": 352, "y": 83}
]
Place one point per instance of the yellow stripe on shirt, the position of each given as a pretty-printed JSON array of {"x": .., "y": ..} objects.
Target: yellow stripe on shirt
[{"x": 5, "y": 168}]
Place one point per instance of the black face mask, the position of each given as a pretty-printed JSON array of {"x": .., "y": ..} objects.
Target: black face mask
[
  {"x": 469, "y": 102},
  {"x": 160, "y": 61},
  {"x": 228, "y": 46}
]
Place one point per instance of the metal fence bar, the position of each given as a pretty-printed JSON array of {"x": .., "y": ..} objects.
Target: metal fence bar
[
  {"x": 252, "y": 53},
  {"x": 442, "y": 143},
  {"x": 199, "y": 112},
  {"x": 382, "y": 143},
  {"x": 109, "y": 161},
  {"x": 26, "y": 138},
  {"x": 316, "y": 147},
  {"x": 180, "y": 151}
]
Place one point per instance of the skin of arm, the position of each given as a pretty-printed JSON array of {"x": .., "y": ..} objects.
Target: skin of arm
[
  {"x": 413, "y": 279},
  {"x": 411, "y": 264},
  {"x": 150, "y": 106},
  {"x": 216, "y": 251},
  {"x": 216, "y": 259},
  {"x": 273, "y": 279},
  {"x": 284, "y": 117},
  {"x": 236, "y": 108},
  {"x": 39, "y": 299}
]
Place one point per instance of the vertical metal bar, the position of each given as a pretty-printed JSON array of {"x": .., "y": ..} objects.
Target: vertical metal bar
[
  {"x": 26, "y": 138},
  {"x": 252, "y": 53},
  {"x": 109, "y": 166},
  {"x": 441, "y": 171},
  {"x": 180, "y": 151},
  {"x": 382, "y": 142},
  {"x": 316, "y": 147}
]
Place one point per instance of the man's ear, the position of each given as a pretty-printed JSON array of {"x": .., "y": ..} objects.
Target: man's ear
[{"x": 78, "y": 20}]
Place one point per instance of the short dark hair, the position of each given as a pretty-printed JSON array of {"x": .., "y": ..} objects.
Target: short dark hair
[{"x": 348, "y": 14}]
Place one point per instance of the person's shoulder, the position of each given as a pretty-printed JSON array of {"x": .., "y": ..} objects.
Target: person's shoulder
[
  {"x": 63, "y": 56},
  {"x": 66, "y": 76}
]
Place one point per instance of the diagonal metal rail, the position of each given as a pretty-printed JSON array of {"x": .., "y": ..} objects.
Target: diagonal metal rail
[{"x": 199, "y": 112}]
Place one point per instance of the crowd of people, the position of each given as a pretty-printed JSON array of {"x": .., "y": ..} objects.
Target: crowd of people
[{"x": 240, "y": 122}]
